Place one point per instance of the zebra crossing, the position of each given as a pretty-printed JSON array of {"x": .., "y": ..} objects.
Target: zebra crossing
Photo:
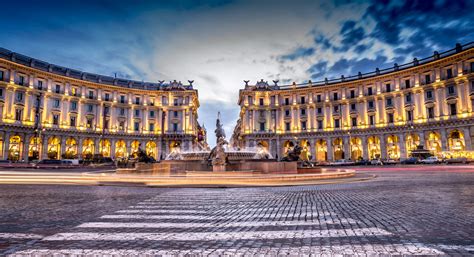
[{"x": 210, "y": 223}]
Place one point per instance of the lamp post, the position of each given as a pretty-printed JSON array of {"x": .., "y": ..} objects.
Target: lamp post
[
  {"x": 37, "y": 122},
  {"x": 350, "y": 145}
]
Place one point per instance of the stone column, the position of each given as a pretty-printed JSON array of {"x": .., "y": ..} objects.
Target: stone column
[
  {"x": 313, "y": 148},
  {"x": 330, "y": 154},
  {"x": 96, "y": 145},
  {"x": 467, "y": 138},
  {"x": 26, "y": 145},
  {"x": 6, "y": 145},
  {"x": 63, "y": 147},
  {"x": 383, "y": 147},
  {"x": 346, "y": 147},
  {"x": 365, "y": 148},
  {"x": 444, "y": 140},
  {"x": 112, "y": 148},
  {"x": 80, "y": 140},
  {"x": 403, "y": 148},
  {"x": 45, "y": 147},
  {"x": 422, "y": 139}
]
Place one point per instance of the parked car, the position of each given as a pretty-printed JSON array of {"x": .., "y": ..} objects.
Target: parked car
[
  {"x": 457, "y": 160},
  {"x": 389, "y": 161},
  {"x": 376, "y": 162},
  {"x": 55, "y": 164},
  {"x": 411, "y": 160},
  {"x": 342, "y": 162},
  {"x": 362, "y": 162},
  {"x": 5, "y": 163},
  {"x": 431, "y": 160}
]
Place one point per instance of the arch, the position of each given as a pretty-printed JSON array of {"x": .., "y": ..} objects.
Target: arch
[
  {"x": 412, "y": 141},
  {"x": 135, "y": 145},
  {"x": 306, "y": 151},
  {"x": 88, "y": 148},
  {"x": 71, "y": 148},
  {"x": 373, "y": 147},
  {"x": 120, "y": 149},
  {"x": 151, "y": 149},
  {"x": 356, "y": 148},
  {"x": 338, "y": 149},
  {"x": 104, "y": 147},
  {"x": 321, "y": 150},
  {"x": 54, "y": 147},
  {"x": 14, "y": 150},
  {"x": 456, "y": 140},
  {"x": 34, "y": 148},
  {"x": 393, "y": 148},
  {"x": 433, "y": 143}
]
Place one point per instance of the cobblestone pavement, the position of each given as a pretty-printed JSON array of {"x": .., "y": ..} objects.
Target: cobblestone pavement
[{"x": 428, "y": 213}]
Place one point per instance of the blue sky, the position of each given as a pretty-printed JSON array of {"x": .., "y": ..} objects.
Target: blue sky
[{"x": 221, "y": 43}]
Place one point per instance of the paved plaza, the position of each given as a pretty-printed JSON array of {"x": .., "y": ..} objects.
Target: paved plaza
[{"x": 416, "y": 212}]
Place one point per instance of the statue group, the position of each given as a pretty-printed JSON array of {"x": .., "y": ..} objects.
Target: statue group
[{"x": 218, "y": 156}]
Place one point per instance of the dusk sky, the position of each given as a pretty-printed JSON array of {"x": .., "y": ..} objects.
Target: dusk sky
[{"x": 218, "y": 44}]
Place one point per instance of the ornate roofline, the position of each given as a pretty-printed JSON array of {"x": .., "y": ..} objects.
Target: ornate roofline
[
  {"x": 90, "y": 77},
  {"x": 378, "y": 72}
]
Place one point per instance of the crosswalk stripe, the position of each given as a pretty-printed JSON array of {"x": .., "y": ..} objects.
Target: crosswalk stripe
[
  {"x": 231, "y": 235},
  {"x": 19, "y": 236}
]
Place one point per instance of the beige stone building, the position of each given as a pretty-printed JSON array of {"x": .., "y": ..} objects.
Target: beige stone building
[
  {"x": 383, "y": 114},
  {"x": 48, "y": 111}
]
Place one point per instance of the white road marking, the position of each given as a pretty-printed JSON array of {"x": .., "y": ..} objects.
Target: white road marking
[
  {"x": 20, "y": 236},
  {"x": 231, "y": 235}
]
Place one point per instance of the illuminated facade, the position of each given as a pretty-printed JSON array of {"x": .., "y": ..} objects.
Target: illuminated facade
[
  {"x": 382, "y": 114},
  {"x": 48, "y": 111}
]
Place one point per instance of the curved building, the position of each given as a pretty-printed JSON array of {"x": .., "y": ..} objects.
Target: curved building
[
  {"x": 387, "y": 113},
  {"x": 48, "y": 111}
]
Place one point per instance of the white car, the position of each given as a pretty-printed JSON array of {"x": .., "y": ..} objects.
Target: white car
[
  {"x": 376, "y": 162},
  {"x": 342, "y": 162},
  {"x": 430, "y": 160}
]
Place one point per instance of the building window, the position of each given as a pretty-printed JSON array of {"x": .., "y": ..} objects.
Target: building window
[
  {"x": 106, "y": 124},
  {"x": 320, "y": 124},
  {"x": 371, "y": 120},
  {"x": 122, "y": 111},
  {"x": 453, "y": 109},
  {"x": 336, "y": 108},
  {"x": 107, "y": 97},
  {"x": 21, "y": 80},
  {"x": 320, "y": 110},
  {"x": 303, "y": 112},
  {"x": 122, "y": 99},
  {"x": 371, "y": 104},
  {"x": 40, "y": 84},
  {"x": 408, "y": 98},
  {"x": 303, "y": 100},
  {"x": 175, "y": 127},
  {"x": 388, "y": 88},
  {"x": 390, "y": 118},
  {"x": 427, "y": 78},
  {"x": 18, "y": 114},
  {"x": 369, "y": 91},
  {"x": 262, "y": 126},
  {"x": 451, "y": 90},
  {"x": 409, "y": 115},
  {"x": 352, "y": 93},
  {"x": 91, "y": 94},
  {"x": 336, "y": 123},
  {"x": 261, "y": 101},
  {"x": 430, "y": 111},
  {"x": 137, "y": 112},
  {"x": 90, "y": 108},
  {"x": 287, "y": 101},
  {"x": 175, "y": 102},
  {"x": 152, "y": 114},
  {"x": 429, "y": 94},
  {"x": 472, "y": 66},
  {"x": 72, "y": 121},
  {"x": 106, "y": 110},
  {"x": 335, "y": 97},
  {"x": 175, "y": 114},
  {"x": 318, "y": 98},
  {"x": 287, "y": 113},
  {"x": 58, "y": 89},
  {"x": 89, "y": 123},
  {"x": 407, "y": 83},
  {"x": 137, "y": 100},
  {"x": 353, "y": 107},
  {"x": 303, "y": 125},
  {"x": 56, "y": 103},
  {"x": 121, "y": 125},
  {"x": 388, "y": 101},
  {"x": 55, "y": 119},
  {"x": 354, "y": 122},
  {"x": 287, "y": 126},
  {"x": 136, "y": 126},
  {"x": 449, "y": 73},
  {"x": 19, "y": 96},
  {"x": 1, "y": 92},
  {"x": 151, "y": 127},
  {"x": 152, "y": 102},
  {"x": 1, "y": 75}
]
